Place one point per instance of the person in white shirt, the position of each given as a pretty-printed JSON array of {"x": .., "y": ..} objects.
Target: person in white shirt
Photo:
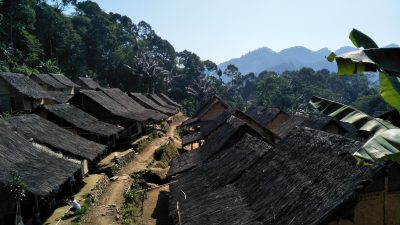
[{"x": 75, "y": 205}]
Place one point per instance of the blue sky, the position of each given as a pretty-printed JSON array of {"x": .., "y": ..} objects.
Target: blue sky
[{"x": 223, "y": 29}]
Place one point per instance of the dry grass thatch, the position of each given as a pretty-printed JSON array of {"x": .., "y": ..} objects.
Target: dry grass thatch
[
  {"x": 206, "y": 128},
  {"x": 59, "y": 96},
  {"x": 35, "y": 128},
  {"x": 169, "y": 100},
  {"x": 306, "y": 179},
  {"x": 25, "y": 85},
  {"x": 41, "y": 172},
  {"x": 104, "y": 102},
  {"x": 227, "y": 132},
  {"x": 88, "y": 83},
  {"x": 263, "y": 115},
  {"x": 50, "y": 81},
  {"x": 82, "y": 120},
  {"x": 150, "y": 104},
  {"x": 64, "y": 80},
  {"x": 157, "y": 99},
  {"x": 132, "y": 105}
]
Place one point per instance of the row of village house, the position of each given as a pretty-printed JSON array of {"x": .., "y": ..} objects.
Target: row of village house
[
  {"x": 267, "y": 166},
  {"x": 65, "y": 129}
]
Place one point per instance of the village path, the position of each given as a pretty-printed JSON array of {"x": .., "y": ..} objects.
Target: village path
[
  {"x": 105, "y": 210},
  {"x": 155, "y": 205}
]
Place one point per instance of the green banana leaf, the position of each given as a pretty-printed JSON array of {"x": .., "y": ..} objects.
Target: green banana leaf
[
  {"x": 360, "y": 39},
  {"x": 369, "y": 60},
  {"x": 381, "y": 147},
  {"x": 348, "y": 114},
  {"x": 390, "y": 89},
  {"x": 385, "y": 141}
]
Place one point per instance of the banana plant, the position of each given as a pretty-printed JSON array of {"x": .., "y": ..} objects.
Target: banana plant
[
  {"x": 371, "y": 58},
  {"x": 384, "y": 143}
]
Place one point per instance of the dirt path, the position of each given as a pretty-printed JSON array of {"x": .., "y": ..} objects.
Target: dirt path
[
  {"x": 105, "y": 210},
  {"x": 155, "y": 207}
]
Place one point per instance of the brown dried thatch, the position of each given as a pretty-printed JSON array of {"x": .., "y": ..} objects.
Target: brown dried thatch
[
  {"x": 263, "y": 115},
  {"x": 101, "y": 106},
  {"x": 64, "y": 80},
  {"x": 81, "y": 119},
  {"x": 40, "y": 171},
  {"x": 59, "y": 96},
  {"x": 44, "y": 132},
  {"x": 132, "y": 105},
  {"x": 25, "y": 85},
  {"x": 308, "y": 178},
  {"x": 169, "y": 100},
  {"x": 50, "y": 81},
  {"x": 228, "y": 131},
  {"x": 150, "y": 104},
  {"x": 87, "y": 83},
  {"x": 162, "y": 102},
  {"x": 207, "y": 128}
]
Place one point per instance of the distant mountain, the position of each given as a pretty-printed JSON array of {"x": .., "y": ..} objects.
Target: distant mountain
[{"x": 288, "y": 59}]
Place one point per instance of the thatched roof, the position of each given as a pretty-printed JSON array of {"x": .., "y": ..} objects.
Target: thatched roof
[
  {"x": 284, "y": 129},
  {"x": 306, "y": 179},
  {"x": 162, "y": 102},
  {"x": 169, "y": 100},
  {"x": 64, "y": 80},
  {"x": 209, "y": 127},
  {"x": 228, "y": 131},
  {"x": 88, "y": 83},
  {"x": 204, "y": 109},
  {"x": 314, "y": 121},
  {"x": 150, "y": 104},
  {"x": 49, "y": 134},
  {"x": 50, "y": 81},
  {"x": 59, "y": 96},
  {"x": 107, "y": 103},
  {"x": 25, "y": 85},
  {"x": 123, "y": 98},
  {"x": 82, "y": 120},
  {"x": 262, "y": 114},
  {"x": 41, "y": 172}
]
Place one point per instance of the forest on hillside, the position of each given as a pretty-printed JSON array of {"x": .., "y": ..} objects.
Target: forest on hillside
[{"x": 38, "y": 36}]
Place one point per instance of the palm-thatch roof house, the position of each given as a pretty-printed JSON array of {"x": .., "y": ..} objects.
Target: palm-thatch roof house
[
  {"x": 103, "y": 107},
  {"x": 169, "y": 100},
  {"x": 87, "y": 83},
  {"x": 49, "y": 137},
  {"x": 19, "y": 93},
  {"x": 81, "y": 123},
  {"x": 123, "y": 98},
  {"x": 72, "y": 87},
  {"x": 41, "y": 172},
  {"x": 48, "y": 83},
  {"x": 54, "y": 88},
  {"x": 150, "y": 104},
  {"x": 214, "y": 107},
  {"x": 157, "y": 99},
  {"x": 206, "y": 129},
  {"x": 317, "y": 122},
  {"x": 271, "y": 118},
  {"x": 309, "y": 178},
  {"x": 234, "y": 126}
]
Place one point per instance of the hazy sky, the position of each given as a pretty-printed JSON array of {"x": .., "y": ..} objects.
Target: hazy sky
[{"x": 223, "y": 29}]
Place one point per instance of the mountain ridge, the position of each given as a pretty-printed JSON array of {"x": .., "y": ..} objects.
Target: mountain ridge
[{"x": 292, "y": 58}]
